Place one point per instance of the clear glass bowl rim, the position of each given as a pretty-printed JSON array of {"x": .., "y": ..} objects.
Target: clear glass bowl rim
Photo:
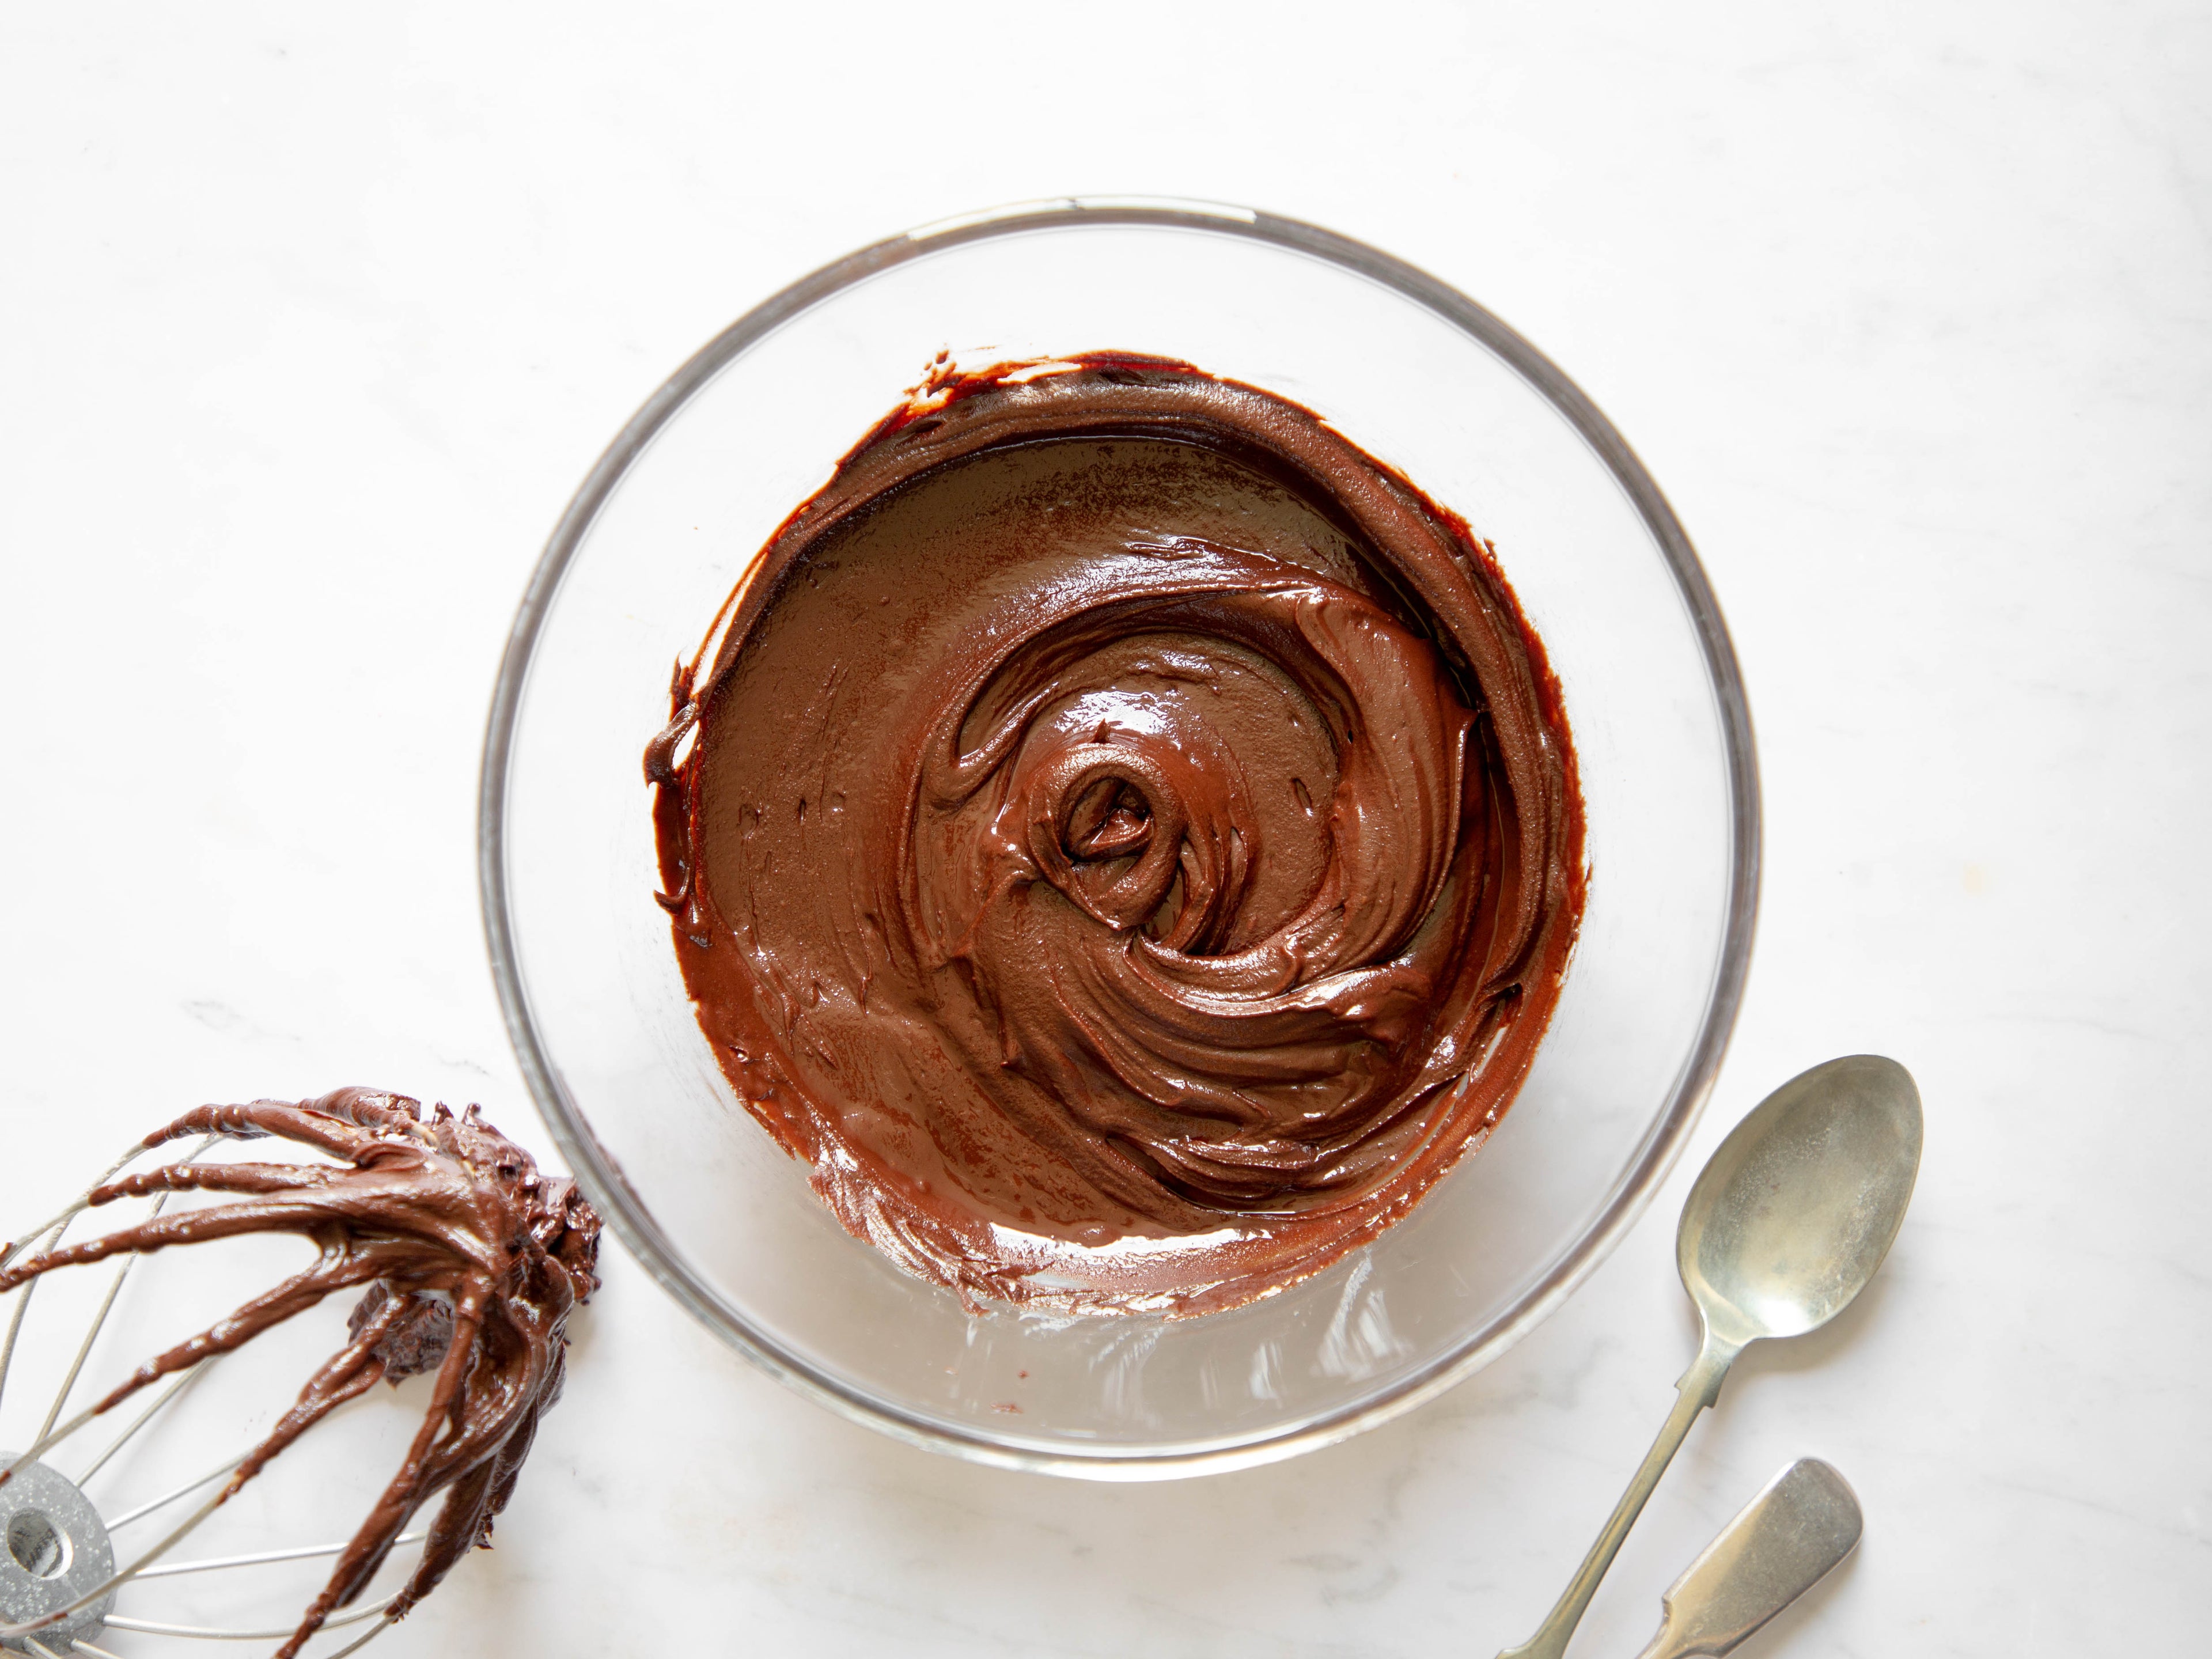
[{"x": 601, "y": 1175}]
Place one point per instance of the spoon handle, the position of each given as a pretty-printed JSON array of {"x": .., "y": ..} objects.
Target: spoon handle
[
  {"x": 1699, "y": 1387},
  {"x": 1785, "y": 1542}
]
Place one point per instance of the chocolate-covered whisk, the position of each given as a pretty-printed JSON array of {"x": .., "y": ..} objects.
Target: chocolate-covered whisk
[{"x": 464, "y": 1261}]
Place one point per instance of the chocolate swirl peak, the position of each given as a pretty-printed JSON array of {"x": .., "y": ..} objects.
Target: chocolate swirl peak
[{"x": 1118, "y": 809}]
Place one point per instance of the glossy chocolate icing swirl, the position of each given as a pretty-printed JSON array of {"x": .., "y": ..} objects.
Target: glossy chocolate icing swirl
[{"x": 1121, "y": 809}]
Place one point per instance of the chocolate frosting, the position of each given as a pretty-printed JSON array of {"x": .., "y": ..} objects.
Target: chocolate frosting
[{"x": 1127, "y": 841}]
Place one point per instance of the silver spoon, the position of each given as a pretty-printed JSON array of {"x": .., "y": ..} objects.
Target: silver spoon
[
  {"x": 1785, "y": 1542},
  {"x": 1784, "y": 1226}
]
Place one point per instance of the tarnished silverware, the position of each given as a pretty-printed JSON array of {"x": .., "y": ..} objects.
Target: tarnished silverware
[
  {"x": 1785, "y": 1225},
  {"x": 1784, "y": 1543}
]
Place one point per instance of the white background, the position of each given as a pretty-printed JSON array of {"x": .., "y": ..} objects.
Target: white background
[{"x": 308, "y": 328}]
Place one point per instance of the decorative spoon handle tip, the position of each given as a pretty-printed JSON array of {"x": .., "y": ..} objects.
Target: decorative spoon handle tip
[{"x": 1782, "y": 1543}]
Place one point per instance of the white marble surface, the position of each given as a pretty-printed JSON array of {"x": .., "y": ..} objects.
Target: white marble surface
[{"x": 310, "y": 329}]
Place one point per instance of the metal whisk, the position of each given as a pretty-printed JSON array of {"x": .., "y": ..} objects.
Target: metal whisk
[{"x": 460, "y": 1263}]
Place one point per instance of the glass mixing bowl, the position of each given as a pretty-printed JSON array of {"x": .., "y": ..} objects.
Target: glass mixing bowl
[{"x": 1412, "y": 372}]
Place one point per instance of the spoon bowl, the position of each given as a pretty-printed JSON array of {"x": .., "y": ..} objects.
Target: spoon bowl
[{"x": 1801, "y": 1202}]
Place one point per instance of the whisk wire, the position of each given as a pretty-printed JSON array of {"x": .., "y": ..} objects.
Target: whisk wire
[
  {"x": 149, "y": 1627},
  {"x": 360, "y": 1642},
  {"x": 52, "y": 1236},
  {"x": 76, "y": 1207},
  {"x": 189, "y": 1487},
  {"x": 108, "y": 1302},
  {"x": 265, "y": 1557},
  {"x": 84, "y": 1349},
  {"x": 146, "y": 1416}
]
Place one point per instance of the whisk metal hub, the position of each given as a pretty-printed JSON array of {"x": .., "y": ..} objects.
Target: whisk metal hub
[{"x": 53, "y": 1551}]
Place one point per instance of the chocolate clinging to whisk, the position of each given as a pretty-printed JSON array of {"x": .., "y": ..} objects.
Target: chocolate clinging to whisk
[{"x": 472, "y": 1261}]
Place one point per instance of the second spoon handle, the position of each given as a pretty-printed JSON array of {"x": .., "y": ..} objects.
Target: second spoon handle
[{"x": 1699, "y": 1387}]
